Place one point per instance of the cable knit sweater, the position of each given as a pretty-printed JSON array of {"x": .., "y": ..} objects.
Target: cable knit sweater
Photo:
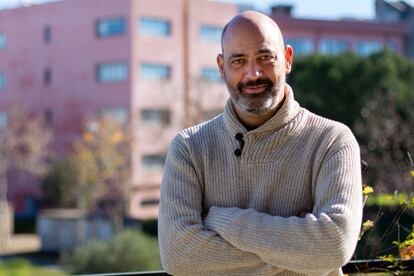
[{"x": 223, "y": 214}]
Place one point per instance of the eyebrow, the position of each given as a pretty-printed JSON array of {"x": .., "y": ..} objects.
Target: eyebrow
[
  {"x": 236, "y": 56},
  {"x": 264, "y": 50},
  {"x": 260, "y": 51}
]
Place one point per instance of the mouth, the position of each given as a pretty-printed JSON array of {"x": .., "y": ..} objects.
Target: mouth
[{"x": 254, "y": 89}]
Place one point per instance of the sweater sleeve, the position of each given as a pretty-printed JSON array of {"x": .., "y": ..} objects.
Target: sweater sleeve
[
  {"x": 323, "y": 240},
  {"x": 186, "y": 246}
]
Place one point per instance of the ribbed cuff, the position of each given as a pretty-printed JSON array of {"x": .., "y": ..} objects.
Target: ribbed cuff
[{"x": 219, "y": 218}]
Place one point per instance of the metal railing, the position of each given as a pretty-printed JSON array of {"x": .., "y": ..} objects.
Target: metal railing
[{"x": 354, "y": 266}]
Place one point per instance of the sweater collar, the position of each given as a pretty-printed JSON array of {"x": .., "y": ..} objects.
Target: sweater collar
[{"x": 286, "y": 113}]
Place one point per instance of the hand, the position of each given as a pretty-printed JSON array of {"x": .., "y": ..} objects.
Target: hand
[{"x": 303, "y": 213}]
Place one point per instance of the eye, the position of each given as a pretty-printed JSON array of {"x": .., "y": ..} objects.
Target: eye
[
  {"x": 237, "y": 62},
  {"x": 266, "y": 58}
]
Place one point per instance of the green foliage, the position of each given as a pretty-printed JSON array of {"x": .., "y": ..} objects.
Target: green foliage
[
  {"x": 96, "y": 174},
  {"x": 332, "y": 86},
  {"x": 130, "y": 250},
  {"x": 393, "y": 73},
  {"x": 402, "y": 250},
  {"x": 389, "y": 200},
  {"x": 57, "y": 186},
  {"x": 102, "y": 161},
  {"x": 338, "y": 86},
  {"x": 20, "y": 267},
  {"x": 372, "y": 95},
  {"x": 406, "y": 246}
]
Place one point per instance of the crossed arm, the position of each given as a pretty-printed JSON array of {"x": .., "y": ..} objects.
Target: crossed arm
[
  {"x": 233, "y": 239},
  {"x": 187, "y": 247}
]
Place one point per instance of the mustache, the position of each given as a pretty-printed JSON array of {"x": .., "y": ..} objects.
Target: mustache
[{"x": 260, "y": 81}]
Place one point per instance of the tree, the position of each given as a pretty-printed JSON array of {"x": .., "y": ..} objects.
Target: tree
[
  {"x": 198, "y": 102},
  {"x": 385, "y": 135},
  {"x": 101, "y": 159},
  {"x": 350, "y": 89},
  {"x": 23, "y": 147},
  {"x": 339, "y": 86},
  {"x": 57, "y": 186}
]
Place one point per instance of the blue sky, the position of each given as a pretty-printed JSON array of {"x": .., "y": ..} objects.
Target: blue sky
[{"x": 325, "y": 9}]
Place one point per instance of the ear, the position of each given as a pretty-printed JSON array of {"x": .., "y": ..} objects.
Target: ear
[
  {"x": 220, "y": 64},
  {"x": 288, "y": 58}
]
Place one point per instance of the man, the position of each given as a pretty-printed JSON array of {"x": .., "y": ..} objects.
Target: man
[{"x": 267, "y": 187}]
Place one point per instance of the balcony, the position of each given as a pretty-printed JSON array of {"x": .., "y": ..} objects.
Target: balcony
[{"x": 354, "y": 266}]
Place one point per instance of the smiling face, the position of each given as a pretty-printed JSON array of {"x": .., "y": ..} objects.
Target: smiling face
[{"x": 254, "y": 64}]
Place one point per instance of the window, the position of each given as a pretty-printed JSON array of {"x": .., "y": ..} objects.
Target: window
[
  {"x": 367, "y": 47},
  {"x": 210, "y": 33},
  {"x": 2, "y": 40},
  {"x": 155, "y": 116},
  {"x": 3, "y": 119},
  {"x": 110, "y": 27},
  {"x": 2, "y": 81},
  {"x": 47, "y": 76},
  {"x": 210, "y": 74},
  {"x": 154, "y": 27},
  {"x": 332, "y": 46},
  {"x": 118, "y": 113},
  {"x": 150, "y": 202},
  {"x": 153, "y": 162},
  {"x": 112, "y": 72},
  {"x": 151, "y": 71},
  {"x": 47, "y": 34},
  {"x": 301, "y": 46},
  {"x": 48, "y": 115}
]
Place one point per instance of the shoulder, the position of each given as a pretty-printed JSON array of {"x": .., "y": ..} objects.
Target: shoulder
[
  {"x": 201, "y": 133},
  {"x": 326, "y": 126},
  {"x": 332, "y": 133},
  {"x": 191, "y": 144}
]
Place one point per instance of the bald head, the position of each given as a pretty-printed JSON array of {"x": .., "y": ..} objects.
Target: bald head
[
  {"x": 253, "y": 64},
  {"x": 254, "y": 22}
]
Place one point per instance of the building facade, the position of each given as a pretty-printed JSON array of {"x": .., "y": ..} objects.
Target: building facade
[
  {"x": 397, "y": 12},
  {"x": 135, "y": 60},
  {"x": 330, "y": 37},
  {"x": 149, "y": 63}
]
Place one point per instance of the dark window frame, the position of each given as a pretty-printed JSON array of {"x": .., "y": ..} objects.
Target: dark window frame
[
  {"x": 151, "y": 161},
  {"x": 48, "y": 116},
  {"x": 47, "y": 34},
  {"x": 164, "y": 116},
  {"x": 161, "y": 65},
  {"x": 207, "y": 76},
  {"x": 47, "y": 76},
  {"x": 4, "y": 45},
  {"x": 111, "y": 63},
  {"x": 3, "y": 81},
  {"x": 158, "y": 20},
  {"x": 113, "y": 33},
  {"x": 202, "y": 33},
  {"x": 149, "y": 202}
]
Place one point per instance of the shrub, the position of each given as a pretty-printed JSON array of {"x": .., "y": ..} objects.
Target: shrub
[
  {"x": 20, "y": 267},
  {"x": 130, "y": 250}
]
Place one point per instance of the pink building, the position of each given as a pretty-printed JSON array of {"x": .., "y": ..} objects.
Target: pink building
[
  {"x": 134, "y": 60},
  {"x": 309, "y": 36},
  {"x": 151, "y": 63}
]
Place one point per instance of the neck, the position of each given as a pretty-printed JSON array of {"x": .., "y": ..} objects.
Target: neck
[{"x": 251, "y": 121}]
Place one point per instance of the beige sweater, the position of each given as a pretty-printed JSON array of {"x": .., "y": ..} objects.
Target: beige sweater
[{"x": 222, "y": 214}]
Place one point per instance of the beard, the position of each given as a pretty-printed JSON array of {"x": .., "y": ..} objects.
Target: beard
[{"x": 260, "y": 103}]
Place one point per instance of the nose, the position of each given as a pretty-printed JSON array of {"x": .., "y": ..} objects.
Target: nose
[{"x": 253, "y": 71}]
